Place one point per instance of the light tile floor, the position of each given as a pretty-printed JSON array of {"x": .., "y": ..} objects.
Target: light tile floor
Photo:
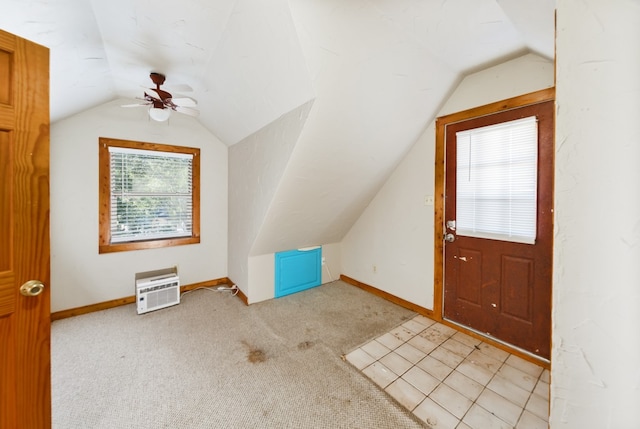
[{"x": 450, "y": 380}]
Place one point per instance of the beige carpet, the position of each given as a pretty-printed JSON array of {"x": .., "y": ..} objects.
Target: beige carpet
[{"x": 212, "y": 362}]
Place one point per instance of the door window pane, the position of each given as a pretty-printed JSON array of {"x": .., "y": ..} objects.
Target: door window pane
[{"x": 496, "y": 181}]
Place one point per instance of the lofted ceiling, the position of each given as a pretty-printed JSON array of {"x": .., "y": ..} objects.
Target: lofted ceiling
[
  {"x": 364, "y": 78},
  {"x": 248, "y": 62}
]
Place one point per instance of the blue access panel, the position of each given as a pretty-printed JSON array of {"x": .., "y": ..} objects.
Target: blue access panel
[{"x": 297, "y": 270}]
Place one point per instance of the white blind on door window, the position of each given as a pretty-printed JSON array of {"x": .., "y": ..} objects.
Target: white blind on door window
[
  {"x": 151, "y": 194},
  {"x": 496, "y": 181}
]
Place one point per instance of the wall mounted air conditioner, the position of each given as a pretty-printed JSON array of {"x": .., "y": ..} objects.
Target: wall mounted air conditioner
[{"x": 154, "y": 293}]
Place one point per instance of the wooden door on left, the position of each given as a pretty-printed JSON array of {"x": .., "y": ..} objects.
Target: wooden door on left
[{"x": 25, "y": 327}]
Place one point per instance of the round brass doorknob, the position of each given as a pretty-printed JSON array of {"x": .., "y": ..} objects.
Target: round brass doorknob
[{"x": 32, "y": 288}]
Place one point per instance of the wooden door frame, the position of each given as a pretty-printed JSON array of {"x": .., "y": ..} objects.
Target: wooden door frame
[{"x": 438, "y": 218}]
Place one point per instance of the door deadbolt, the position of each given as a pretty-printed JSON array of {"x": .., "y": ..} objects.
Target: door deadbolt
[{"x": 32, "y": 288}]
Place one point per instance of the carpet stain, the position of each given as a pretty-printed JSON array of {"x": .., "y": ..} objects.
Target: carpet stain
[
  {"x": 255, "y": 355},
  {"x": 305, "y": 345}
]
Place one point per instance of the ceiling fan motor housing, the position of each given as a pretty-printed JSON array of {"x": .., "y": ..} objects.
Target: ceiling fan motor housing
[
  {"x": 157, "y": 78},
  {"x": 157, "y": 104}
]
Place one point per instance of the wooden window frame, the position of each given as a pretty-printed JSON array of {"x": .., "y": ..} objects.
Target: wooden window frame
[{"x": 104, "y": 198}]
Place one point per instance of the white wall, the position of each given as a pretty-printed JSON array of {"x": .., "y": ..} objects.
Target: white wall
[
  {"x": 79, "y": 275},
  {"x": 395, "y": 233},
  {"x": 261, "y": 278},
  {"x": 595, "y": 377},
  {"x": 332, "y": 266},
  {"x": 256, "y": 165}
]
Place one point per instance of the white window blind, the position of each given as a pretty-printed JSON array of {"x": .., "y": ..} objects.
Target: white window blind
[
  {"x": 151, "y": 194},
  {"x": 496, "y": 181}
]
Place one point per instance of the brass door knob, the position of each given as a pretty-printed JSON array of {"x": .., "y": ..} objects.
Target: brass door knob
[{"x": 32, "y": 288}]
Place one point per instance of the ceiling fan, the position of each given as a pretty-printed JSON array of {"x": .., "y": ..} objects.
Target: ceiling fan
[{"x": 161, "y": 102}]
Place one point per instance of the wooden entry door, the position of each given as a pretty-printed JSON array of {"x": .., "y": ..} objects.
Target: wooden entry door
[
  {"x": 499, "y": 284},
  {"x": 25, "y": 386}
]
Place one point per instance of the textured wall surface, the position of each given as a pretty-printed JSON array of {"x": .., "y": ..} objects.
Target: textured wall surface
[{"x": 595, "y": 379}]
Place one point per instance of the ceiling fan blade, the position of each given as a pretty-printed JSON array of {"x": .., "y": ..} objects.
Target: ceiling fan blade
[
  {"x": 135, "y": 105},
  {"x": 153, "y": 93},
  {"x": 187, "y": 111},
  {"x": 185, "y": 101}
]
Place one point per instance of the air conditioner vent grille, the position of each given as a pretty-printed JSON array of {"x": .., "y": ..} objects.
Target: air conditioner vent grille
[{"x": 158, "y": 292}]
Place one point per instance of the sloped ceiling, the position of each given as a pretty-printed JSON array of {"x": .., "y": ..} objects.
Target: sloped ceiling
[
  {"x": 376, "y": 70},
  {"x": 250, "y": 61}
]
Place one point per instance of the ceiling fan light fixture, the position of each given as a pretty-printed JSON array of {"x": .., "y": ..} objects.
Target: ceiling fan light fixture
[{"x": 159, "y": 115}]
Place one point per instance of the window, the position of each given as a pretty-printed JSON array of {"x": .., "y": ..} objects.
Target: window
[
  {"x": 496, "y": 179},
  {"x": 149, "y": 195}
]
